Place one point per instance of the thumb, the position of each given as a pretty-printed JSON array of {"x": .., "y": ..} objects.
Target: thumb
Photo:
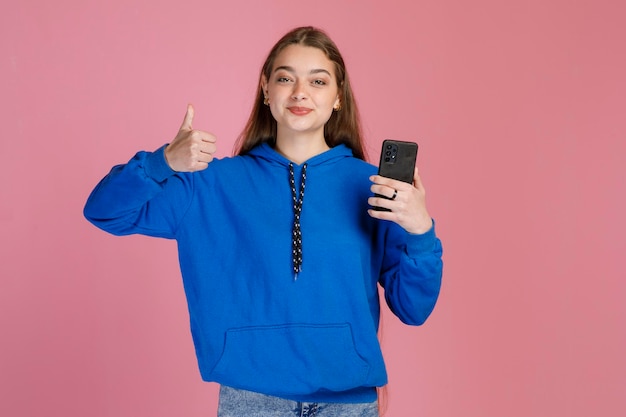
[
  {"x": 417, "y": 181},
  {"x": 188, "y": 118}
]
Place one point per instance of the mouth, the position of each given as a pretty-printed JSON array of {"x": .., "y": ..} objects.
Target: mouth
[{"x": 299, "y": 111}]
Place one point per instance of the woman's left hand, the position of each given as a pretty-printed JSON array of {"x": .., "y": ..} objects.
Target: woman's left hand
[{"x": 407, "y": 203}]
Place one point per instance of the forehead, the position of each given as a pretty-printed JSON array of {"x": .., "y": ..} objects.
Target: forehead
[{"x": 304, "y": 59}]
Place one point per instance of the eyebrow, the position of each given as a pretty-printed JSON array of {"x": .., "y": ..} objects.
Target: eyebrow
[{"x": 292, "y": 70}]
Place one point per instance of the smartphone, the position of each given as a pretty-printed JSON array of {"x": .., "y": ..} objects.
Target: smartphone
[{"x": 397, "y": 161}]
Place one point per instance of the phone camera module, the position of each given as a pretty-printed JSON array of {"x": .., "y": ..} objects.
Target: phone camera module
[{"x": 391, "y": 151}]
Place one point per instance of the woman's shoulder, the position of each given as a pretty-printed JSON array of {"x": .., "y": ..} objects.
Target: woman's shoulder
[
  {"x": 360, "y": 165},
  {"x": 228, "y": 163}
]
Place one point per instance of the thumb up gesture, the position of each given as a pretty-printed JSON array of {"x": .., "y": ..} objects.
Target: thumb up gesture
[{"x": 191, "y": 150}]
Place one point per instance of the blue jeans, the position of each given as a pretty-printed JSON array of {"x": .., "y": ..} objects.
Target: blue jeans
[{"x": 239, "y": 403}]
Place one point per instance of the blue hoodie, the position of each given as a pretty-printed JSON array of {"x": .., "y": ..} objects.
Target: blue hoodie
[{"x": 254, "y": 325}]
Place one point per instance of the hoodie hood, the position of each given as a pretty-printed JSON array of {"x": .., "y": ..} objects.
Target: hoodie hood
[{"x": 265, "y": 151}]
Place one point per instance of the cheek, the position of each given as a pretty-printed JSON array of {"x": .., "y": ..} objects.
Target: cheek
[
  {"x": 332, "y": 98},
  {"x": 277, "y": 97},
  {"x": 328, "y": 112},
  {"x": 331, "y": 101}
]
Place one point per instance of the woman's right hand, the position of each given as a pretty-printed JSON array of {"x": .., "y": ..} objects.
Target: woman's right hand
[{"x": 191, "y": 150}]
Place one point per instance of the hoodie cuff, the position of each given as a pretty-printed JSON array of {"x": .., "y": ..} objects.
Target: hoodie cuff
[
  {"x": 425, "y": 242},
  {"x": 156, "y": 166}
]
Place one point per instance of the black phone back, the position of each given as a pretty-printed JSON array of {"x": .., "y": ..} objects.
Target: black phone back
[{"x": 397, "y": 160}]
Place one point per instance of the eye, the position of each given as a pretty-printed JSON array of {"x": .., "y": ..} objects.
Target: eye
[
  {"x": 283, "y": 79},
  {"x": 319, "y": 82}
]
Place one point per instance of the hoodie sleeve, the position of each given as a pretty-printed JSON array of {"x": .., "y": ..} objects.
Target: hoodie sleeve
[
  {"x": 412, "y": 271},
  {"x": 144, "y": 196}
]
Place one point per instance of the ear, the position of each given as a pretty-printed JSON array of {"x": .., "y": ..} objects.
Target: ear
[
  {"x": 264, "y": 85},
  {"x": 338, "y": 102},
  {"x": 337, "y": 105}
]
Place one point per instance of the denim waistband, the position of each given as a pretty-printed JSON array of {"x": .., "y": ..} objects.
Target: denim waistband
[{"x": 241, "y": 403}]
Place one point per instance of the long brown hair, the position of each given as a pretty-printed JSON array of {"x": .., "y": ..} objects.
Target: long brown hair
[{"x": 344, "y": 125}]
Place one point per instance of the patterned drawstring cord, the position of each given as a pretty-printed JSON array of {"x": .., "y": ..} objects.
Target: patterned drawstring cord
[{"x": 296, "y": 235}]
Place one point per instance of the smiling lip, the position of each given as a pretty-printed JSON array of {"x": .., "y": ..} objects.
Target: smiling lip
[{"x": 299, "y": 111}]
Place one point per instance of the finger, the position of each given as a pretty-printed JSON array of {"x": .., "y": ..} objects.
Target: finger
[
  {"x": 380, "y": 201},
  {"x": 200, "y": 136},
  {"x": 207, "y": 148},
  {"x": 381, "y": 214},
  {"x": 417, "y": 181},
  {"x": 384, "y": 190},
  {"x": 199, "y": 166},
  {"x": 390, "y": 182},
  {"x": 204, "y": 158},
  {"x": 208, "y": 137},
  {"x": 187, "y": 122}
]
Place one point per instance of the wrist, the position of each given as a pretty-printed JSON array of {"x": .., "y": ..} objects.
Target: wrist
[
  {"x": 421, "y": 227},
  {"x": 157, "y": 166}
]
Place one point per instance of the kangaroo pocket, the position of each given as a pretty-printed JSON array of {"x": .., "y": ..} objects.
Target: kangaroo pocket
[{"x": 291, "y": 359}]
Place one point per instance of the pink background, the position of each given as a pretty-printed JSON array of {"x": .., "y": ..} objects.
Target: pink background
[{"x": 520, "y": 114}]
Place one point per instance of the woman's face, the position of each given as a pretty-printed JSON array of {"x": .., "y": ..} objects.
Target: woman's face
[{"x": 302, "y": 90}]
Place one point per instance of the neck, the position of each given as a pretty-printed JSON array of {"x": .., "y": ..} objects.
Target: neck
[{"x": 300, "y": 148}]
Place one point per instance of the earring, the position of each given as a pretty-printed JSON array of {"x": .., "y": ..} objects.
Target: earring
[
  {"x": 266, "y": 101},
  {"x": 337, "y": 107}
]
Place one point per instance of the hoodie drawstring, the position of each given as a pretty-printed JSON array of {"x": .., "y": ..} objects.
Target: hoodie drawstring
[{"x": 296, "y": 235}]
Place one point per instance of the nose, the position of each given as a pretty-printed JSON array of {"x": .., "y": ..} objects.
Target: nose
[{"x": 299, "y": 91}]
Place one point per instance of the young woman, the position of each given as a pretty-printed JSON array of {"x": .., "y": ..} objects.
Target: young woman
[{"x": 279, "y": 249}]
